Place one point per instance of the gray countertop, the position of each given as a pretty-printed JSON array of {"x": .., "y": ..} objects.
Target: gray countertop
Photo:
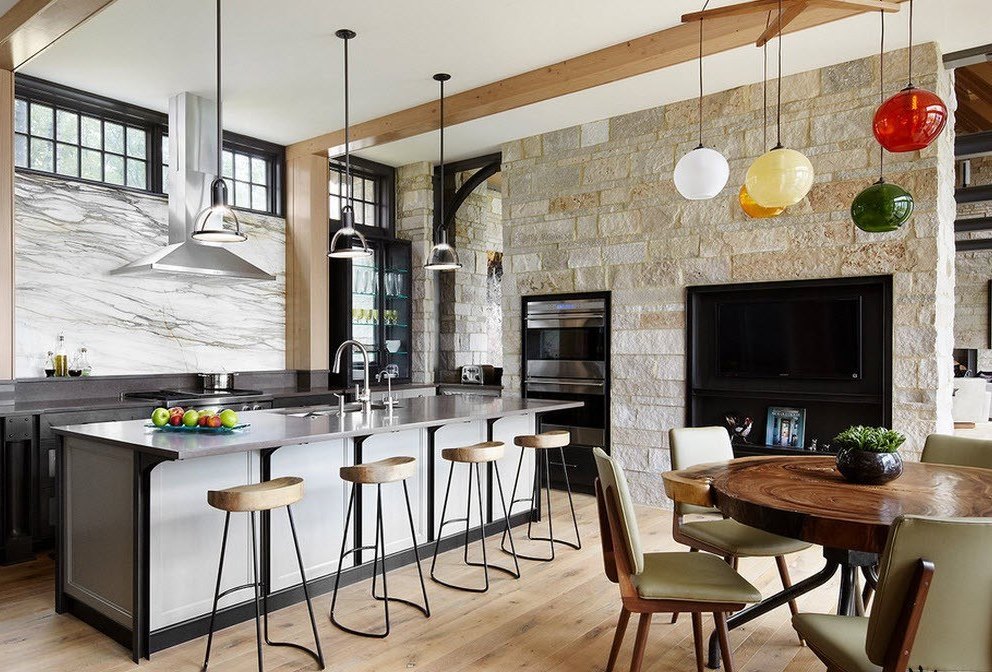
[{"x": 271, "y": 429}]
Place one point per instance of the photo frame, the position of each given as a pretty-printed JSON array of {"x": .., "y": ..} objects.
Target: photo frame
[{"x": 786, "y": 427}]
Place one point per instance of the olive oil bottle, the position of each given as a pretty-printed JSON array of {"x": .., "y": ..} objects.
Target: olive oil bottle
[{"x": 61, "y": 358}]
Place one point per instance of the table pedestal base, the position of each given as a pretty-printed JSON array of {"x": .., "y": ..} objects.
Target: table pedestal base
[{"x": 848, "y": 562}]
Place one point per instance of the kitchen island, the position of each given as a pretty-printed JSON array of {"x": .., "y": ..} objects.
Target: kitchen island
[{"x": 138, "y": 543}]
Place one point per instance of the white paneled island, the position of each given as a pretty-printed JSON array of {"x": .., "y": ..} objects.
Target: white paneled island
[{"x": 139, "y": 545}]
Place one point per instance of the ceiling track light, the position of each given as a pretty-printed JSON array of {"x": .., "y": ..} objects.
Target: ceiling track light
[
  {"x": 443, "y": 256},
  {"x": 702, "y": 173},
  {"x": 347, "y": 242},
  {"x": 883, "y": 206},
  {"x": 218, "y": 223},
  {"x": 781, "y": 177}
]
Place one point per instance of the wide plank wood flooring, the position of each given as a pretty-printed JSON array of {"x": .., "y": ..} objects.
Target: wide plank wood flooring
[{"x": 559, "y": 617}]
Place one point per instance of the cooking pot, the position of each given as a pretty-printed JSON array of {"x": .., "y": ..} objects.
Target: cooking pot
[{"x": 217, "y": 381}]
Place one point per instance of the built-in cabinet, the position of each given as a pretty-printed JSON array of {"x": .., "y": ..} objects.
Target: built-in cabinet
[{"x": 371, "y": 303}]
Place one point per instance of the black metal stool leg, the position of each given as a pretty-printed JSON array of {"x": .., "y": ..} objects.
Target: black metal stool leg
[
  {"x": 506, "y": 520},
  {"x": 514, "y": 500},
  {"x": 318, "y": 655},
  {"x": 258, "y": 620},
  {"x": 220, "y": 573},
  {"x": 426, "y": 610},
  {"x": 568, "y": 488},
  {"x": 344, "y": 546},
  {"x": 440, "y": 527}
]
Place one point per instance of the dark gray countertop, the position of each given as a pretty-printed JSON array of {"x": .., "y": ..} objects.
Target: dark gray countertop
[
  {"x": 271, "y": 429},
  {"x": 35, "y": 407}
]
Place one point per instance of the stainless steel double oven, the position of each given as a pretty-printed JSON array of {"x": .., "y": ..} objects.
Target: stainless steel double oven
[{"x": 566, "y": 346}]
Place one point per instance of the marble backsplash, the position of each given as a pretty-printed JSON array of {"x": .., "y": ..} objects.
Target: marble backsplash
[{"x": 70, "y": 235}]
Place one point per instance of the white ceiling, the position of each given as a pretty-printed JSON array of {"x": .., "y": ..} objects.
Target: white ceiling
[{"x": 283, "y": 79}]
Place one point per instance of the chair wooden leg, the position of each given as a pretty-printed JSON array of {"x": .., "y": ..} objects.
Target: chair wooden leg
[
  {"x": 675, "y": 617},
  {"x": 618, "y": 638},
  {"x": 640, "y": 641},
  {"x": 783, "y": 572},
  {"x": 721, "y": 632},
  {"x": 697, "y": 639}
]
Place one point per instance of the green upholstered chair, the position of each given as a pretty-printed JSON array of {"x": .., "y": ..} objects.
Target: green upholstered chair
[
  {"x": 959, "y": 451},
  {"x": 933, "y": 609},
  {"x": 652, "y": 583},
  {"x": 723, "y": 536}
]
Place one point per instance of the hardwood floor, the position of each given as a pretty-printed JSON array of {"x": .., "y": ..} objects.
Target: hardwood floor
[{"x": 559, "y": 617}]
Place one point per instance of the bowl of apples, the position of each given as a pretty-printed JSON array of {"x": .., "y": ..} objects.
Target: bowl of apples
[{"x": 179, "y": 419}]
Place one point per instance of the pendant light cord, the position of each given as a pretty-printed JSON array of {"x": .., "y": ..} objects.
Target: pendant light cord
[
  {"x": 910, "y": 43},
  {"x": 440, "y": 221},
  {"x": 220, "y": 127},
  {"x": 764, "y": 89},
  {"x": 705, "y": 5},
  {"x": 347, "y": 130},
  {"x": 881, "y": 89},
  {"x": 778, "y": 102}
]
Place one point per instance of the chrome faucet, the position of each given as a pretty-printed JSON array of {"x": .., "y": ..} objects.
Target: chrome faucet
[
  {"x": 391, "y": 371},
  {"x": 365, "y": 396}
]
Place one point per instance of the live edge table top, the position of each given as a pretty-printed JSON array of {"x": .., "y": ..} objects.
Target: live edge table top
[{"x": 805, "y": 497}]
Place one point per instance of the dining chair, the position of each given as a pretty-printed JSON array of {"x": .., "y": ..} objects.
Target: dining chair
[
  {"x": 652, "y": 583},
  {"x": 722, "y": 536},
  {"x": 932, "y": 611},
  {"x": 960, "y": 451}
]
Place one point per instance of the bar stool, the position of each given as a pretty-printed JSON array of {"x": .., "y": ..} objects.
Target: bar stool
[
  {"x": 389, "y": 470},
  {"x": 544, "y": 443},
  {"x": 250, "y": 499},
  {"x": 475, "y": 456}
]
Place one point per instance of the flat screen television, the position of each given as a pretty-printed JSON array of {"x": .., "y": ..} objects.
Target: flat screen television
[{"x": 808, "y": 338}]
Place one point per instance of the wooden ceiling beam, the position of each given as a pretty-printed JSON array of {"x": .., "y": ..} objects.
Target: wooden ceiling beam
[
  {"x": 638, "y": 56},
  {"x": 862, "y": 5},
  {"x": 780, "y": 21},
  {"x": 758, "y": 6},
  {"x": 31, "y": 26}
]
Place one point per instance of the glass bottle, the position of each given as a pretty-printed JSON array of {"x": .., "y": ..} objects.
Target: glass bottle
[
  {"x": 50, "y": 364},
  {"x": 84, "y": 362},
  {"x": 61, "y": 358},
  {"x": 75, "y": 369}
]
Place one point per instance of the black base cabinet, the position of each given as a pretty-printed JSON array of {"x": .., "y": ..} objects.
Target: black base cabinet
[{"x": 20, "y": 504}]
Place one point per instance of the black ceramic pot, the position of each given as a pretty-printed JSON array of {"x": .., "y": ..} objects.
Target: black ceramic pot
[{"x": 868, "y": 468}]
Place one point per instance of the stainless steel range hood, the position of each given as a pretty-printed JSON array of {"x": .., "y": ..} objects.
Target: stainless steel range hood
[{"x": 192, "y": 162}]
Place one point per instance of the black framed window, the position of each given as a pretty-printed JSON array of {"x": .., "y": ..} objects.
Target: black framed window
[
  {"x": 373, "y": 193},
  {"x": 81, "y": 136}
]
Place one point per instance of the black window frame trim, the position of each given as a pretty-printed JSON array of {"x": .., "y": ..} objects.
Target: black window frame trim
[
  {"x": 386, "y": 178},
  {"x": 156, "y": 125}
]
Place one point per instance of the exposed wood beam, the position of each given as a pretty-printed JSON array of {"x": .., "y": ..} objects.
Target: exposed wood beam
[
  {"x": 863, "y": 5},
  {"x": 973, "y": 144},
  {"x": 638, "y": 56},
  {"x": 6, "y": 225},
  {"x": 778, "y": 24},
  {"x": 757, "y": 6},
  {"x": 977, "y": 194},
  {"x": 973, "y": 224},
  {"x": 973, "y": 245},
  {"x": 30, "y": 26}
]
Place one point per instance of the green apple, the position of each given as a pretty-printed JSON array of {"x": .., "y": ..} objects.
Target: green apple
[
  {"x": 190, "y": 418},
  {"x": 228, "y": 418},
  {"x": 160, "y": 417}
]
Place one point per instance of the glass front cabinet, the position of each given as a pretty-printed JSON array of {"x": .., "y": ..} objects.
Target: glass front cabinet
[{"x": 370, "y": 302}]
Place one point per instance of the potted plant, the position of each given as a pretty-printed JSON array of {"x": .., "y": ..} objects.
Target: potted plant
[{"x": 867, "y": 455}]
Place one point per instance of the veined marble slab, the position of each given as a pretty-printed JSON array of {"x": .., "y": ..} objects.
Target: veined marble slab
[{"x": 70, "y": 235}]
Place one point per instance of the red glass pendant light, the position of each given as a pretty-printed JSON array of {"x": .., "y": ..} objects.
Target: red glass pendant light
[{"x": 914, "y": 117}]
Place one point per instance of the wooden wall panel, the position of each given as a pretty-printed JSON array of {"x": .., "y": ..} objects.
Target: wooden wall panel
[
  {"x": 307, "y": 291},
  {"x": 6, "y": 225}
]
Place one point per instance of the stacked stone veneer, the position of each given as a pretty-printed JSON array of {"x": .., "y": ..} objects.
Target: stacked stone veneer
[
  {"x": 471, "y": 299},
  {"x": 973, "y": 272},
  {"x": 414, "y": 222},
  {"x": 593, "y": 207}
]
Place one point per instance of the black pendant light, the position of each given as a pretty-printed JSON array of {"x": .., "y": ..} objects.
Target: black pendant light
[
  {"x": 442, "y": 257},
  {"x": 343, "y": 243},
  {"x": 218, "y": 223}
]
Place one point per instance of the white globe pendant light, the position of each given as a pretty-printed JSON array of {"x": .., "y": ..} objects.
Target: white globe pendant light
[
  {"x": 781, "y": 177},
  {"x": 702, "y": 173}
]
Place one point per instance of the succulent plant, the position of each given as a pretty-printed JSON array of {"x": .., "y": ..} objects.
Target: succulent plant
[{"x": 871, "y": 439}]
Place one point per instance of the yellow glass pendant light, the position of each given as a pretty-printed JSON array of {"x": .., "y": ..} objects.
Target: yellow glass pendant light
[
  {"x": 748, "y": 204},
  {"x": 780, "y": 177}
]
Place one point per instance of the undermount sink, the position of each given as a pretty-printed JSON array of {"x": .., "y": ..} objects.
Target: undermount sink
[{"x": 324, "y": 411}]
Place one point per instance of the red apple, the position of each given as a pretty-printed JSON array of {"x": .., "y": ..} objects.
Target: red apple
[
  {"x": 177, "y": 410},
  {"x": 175, "y": 419},
  {"x": 203, "y": 420},
  {"x": 214, "y": 421}
]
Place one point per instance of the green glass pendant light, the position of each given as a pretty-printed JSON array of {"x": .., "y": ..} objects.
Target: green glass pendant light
[{"x": 883, "y": 206}]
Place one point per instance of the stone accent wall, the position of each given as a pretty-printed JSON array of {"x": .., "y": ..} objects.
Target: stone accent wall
[
  {"x": 593, "y": 207},
  {"x": 415, "y": 222},
  {"x": 471, "y": 298},
  {"x": 973, "y": 272}
]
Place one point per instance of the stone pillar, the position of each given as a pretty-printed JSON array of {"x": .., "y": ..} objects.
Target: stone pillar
[{"x": 414, "y": 222}]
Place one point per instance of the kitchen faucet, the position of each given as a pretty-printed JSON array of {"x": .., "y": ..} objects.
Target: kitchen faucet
[{"x": 366, "y": 396}]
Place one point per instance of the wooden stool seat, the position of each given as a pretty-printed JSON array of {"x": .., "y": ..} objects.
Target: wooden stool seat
[
  {"x": 488, "y": 451},
  {"x": 389, "y": 470},
  {"x": 558, "y": 438},
  {"x": 258, "y": 496}
]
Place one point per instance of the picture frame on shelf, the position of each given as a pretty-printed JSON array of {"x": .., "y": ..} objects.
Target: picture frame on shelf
[{"x": 786, "y": 427}]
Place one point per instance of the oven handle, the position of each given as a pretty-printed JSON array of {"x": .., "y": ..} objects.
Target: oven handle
[
  {"x": 559, "y": 381},
  {"x": 565, "y": 321}
]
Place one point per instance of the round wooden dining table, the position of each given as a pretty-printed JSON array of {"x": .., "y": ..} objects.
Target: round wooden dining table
[{"x": 805, "y": 497}]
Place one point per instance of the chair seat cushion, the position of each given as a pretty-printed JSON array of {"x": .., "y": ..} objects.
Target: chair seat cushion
[
  {"x": 739, "y": 539},
  {"x": 695, "y": 577},
  {"x": 839, "y": 641}
]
